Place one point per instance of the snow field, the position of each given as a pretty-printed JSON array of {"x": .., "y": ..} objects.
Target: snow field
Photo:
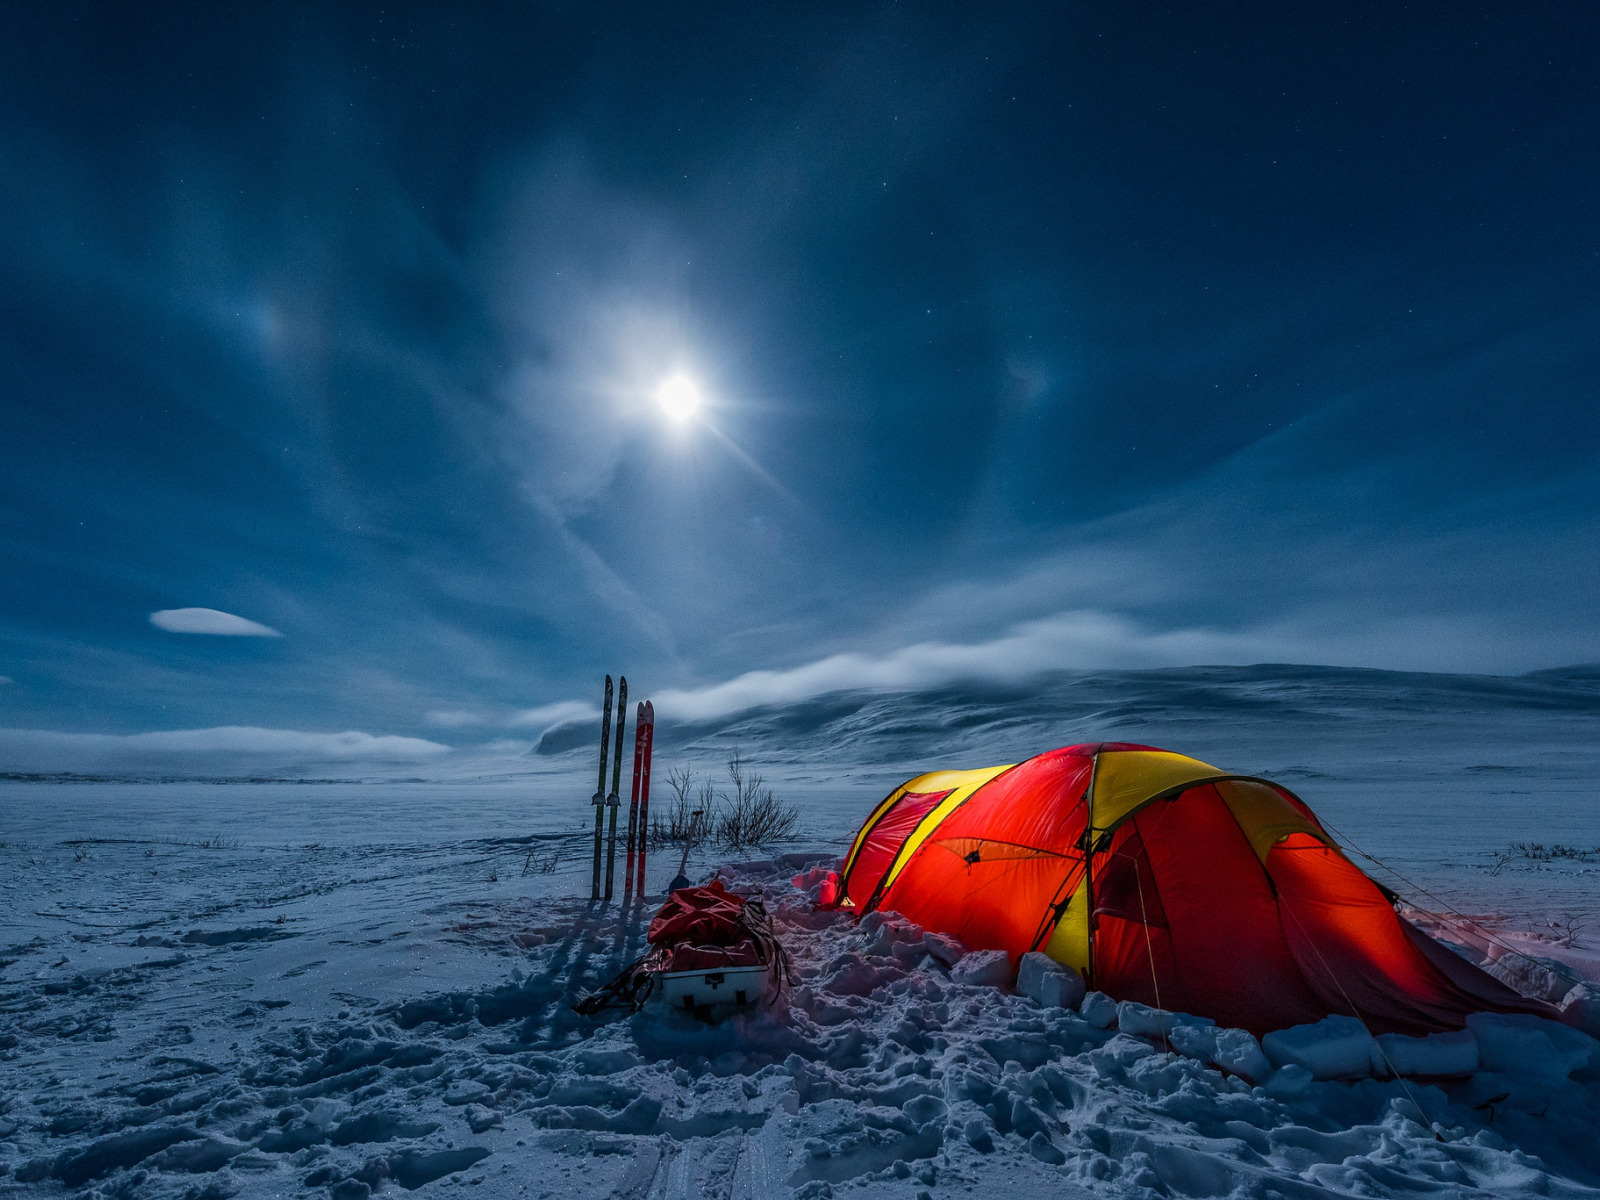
[{"x": 396, "y": 1019}]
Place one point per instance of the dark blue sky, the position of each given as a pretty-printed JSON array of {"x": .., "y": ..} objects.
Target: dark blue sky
[{"x": 1032, "y": 336}]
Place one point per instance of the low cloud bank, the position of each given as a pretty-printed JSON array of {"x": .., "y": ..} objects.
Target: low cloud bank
[
  {"x": 210, "y": 621},
  {"x": 1089, "y": 640},
  {"x": 223, "y": 750},
  {"x": 1065, "y": 641},
  {"x": 558, "y": 713}
]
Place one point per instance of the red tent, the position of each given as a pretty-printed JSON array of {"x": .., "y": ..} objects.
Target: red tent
[{"x": 1206, "y": 892}]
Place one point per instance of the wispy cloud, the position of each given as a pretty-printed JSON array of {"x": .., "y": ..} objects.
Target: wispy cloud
[
  {"x": 1071, "y": 639},
  {"x": 541, "y": 717},
  {"x": 455, "y": 718},
  {"x": 211, "y": 621},
  {"x": 1089, "y": 640},
  {"x": 226, "y": 748},
  {"x": 547, "y": 715}
]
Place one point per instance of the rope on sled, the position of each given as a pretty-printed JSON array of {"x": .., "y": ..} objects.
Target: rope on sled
[{"x": 633, "y": 986}]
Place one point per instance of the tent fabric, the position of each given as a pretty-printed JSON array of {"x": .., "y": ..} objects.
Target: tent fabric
[{"x": 1164, "y": 880}]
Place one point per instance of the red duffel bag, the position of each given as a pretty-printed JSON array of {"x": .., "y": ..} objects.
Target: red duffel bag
[{"x": 700, "y": 916}]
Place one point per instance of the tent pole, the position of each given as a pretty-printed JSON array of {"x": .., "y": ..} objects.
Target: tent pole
[{"x": 1088, "y": 858}]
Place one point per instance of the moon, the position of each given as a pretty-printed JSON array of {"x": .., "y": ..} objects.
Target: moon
[{"x": 679, "y": 397}]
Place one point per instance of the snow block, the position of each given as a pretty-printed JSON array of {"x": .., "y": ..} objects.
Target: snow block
[
  {"x": 883, "y": 931},
  {"x": 1289, "y": 1081},
  {"x": 1580, "y": 1008},
  {"x": 1044, "y": 1150},
  {"x": 1531, "y": 1048},
  {"x": 876, "y": 920},
  {"x": 1540, "y": 978},
  {"x": 1332, "y": 1048},
  {"x": 1143, "y": 1021},
  {"x": 942, "y": 946},
  {"x": 1045, "y": 981},
  {"x": 1099, "y": 1009},
  {"x": 1436, "y": 1056},
  {"x": 1235, "y": 1051},
  {"x": 991, "y": 968},
  {"x": 480, "y": 1118}
]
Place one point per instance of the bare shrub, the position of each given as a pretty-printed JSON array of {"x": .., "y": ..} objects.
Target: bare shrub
[
  {"x": 751, "y": 815},
  {"x": 542, "y": 864},
  {"x": 690, "y": 814},
  {"x": 748, "y": 814},
  {"x": 1538, "y": 852}
]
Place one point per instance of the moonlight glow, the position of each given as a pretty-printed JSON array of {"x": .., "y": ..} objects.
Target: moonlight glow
[{"x": 678, "y": 397}]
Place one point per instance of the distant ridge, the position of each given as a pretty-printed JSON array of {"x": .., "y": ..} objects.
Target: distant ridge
[{"x": 1163, "y": 706}]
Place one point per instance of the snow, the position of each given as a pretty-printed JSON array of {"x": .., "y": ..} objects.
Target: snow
[
  {"x": 1580, "y": 1008},
  {"x": 1047, "y": 982},
  {"x": 1099, "y": 1009},
  {"x": 340, "y": 989},
  {"x": 1143, "y": 1021},
  {"x": 1531, "y": 1047},
  {"x": 1335, "y": 1047},
  {"x": 990, "y": 968},
  {"x": 1235, "y": 1051},
  {"x": 405, "y": 1026},
  {"x": 1435, "y": 1055}
]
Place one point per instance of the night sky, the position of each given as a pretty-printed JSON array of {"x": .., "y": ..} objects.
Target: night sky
[{"x": 1029, "y": 337}]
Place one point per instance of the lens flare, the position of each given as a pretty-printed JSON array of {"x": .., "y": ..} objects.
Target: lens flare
[{"x": 678, "y": 397}]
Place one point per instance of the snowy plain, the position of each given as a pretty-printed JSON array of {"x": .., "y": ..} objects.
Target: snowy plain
[{"x": 292, "y": 988}]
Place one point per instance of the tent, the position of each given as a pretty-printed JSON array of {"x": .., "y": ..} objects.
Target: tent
[{"x": 1206, "y": 892}]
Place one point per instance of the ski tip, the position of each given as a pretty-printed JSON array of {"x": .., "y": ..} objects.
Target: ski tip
[
  {"x": 639, "y": 716},
  {"x": 650, "y": 711}
]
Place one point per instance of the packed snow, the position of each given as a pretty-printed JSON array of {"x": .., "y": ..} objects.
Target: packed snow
[
  {"x": 240, "y": 1021},
  {"x": 331, "y": 989}
]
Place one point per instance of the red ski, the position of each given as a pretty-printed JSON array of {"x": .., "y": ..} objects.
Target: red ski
[{"x": 639, "y": 805}]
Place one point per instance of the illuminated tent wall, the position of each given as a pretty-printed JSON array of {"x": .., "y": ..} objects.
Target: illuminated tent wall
[{"x": 1206, "y": 892}]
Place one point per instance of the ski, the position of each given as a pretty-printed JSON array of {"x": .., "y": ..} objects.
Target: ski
[
  {"x": 643, "y": 734},
  {"x": 600, "y": 792},
  {"x": 613, "y": 801},
  {"x": 644, "y": 789}
]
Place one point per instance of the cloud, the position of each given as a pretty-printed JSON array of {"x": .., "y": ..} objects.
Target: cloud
[
  {"x": 1070, "y": 639},
  {"x": 227, "y": 749},
  {"x": 1088, "y": 640},
  {"x": 209, "y": 620},
  {"x": 454, "y": 718},
  {"x": 542, "y": 717},
  {"x": 547, "y": 715}
]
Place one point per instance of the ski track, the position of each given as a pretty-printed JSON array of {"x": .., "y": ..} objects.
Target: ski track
[{"x": 179, "y": 1021}]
